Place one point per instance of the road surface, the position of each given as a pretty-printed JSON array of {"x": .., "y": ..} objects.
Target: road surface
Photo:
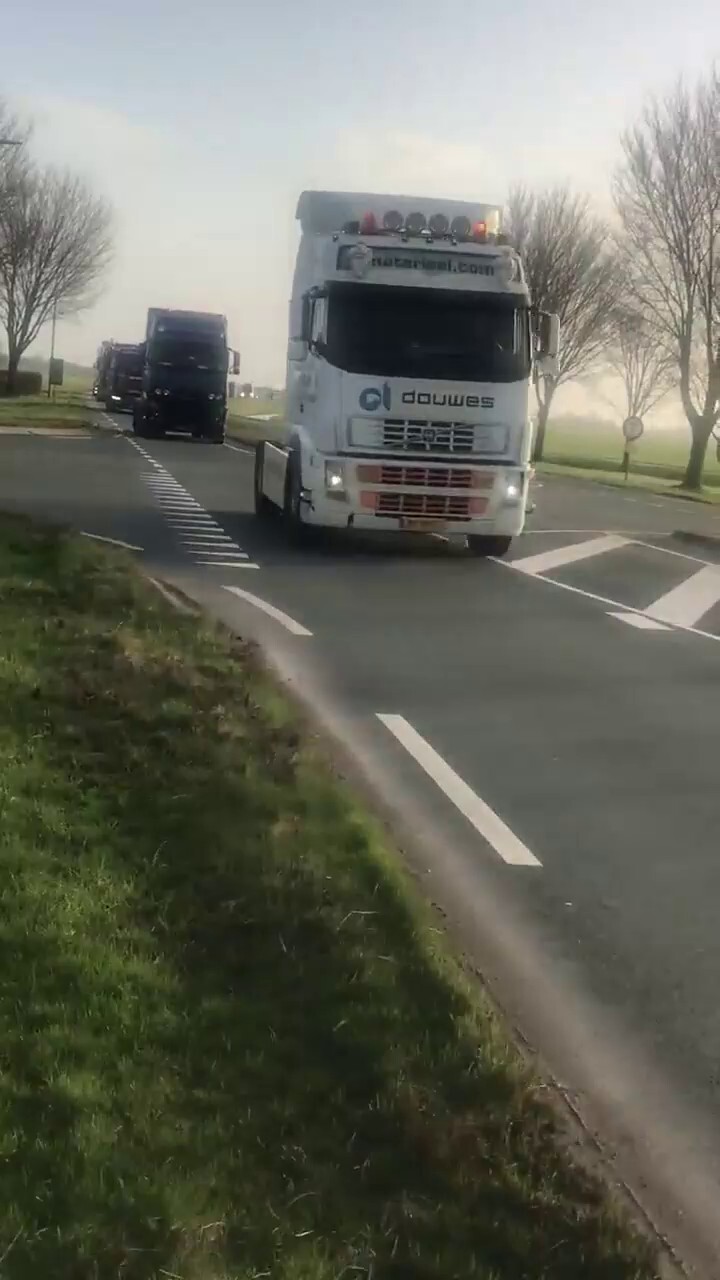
[{"x": 543, "y": 733}]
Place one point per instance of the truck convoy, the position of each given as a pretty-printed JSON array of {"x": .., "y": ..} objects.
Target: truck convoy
[
  {"x": 185, "y": 372},
  {"x": 118, "y": 376},
  {"x": 412, "y": 344}
]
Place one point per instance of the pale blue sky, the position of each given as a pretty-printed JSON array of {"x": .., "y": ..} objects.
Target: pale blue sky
[{"x": 201, "y": 122}]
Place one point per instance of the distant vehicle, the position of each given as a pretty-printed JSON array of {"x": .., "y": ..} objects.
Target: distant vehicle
[
  {"x": 124, "y": 380},
  {"x": 102, "y": 369},
  {"x": 411, "y": 350},
  {"x": 185, "y": 373}
]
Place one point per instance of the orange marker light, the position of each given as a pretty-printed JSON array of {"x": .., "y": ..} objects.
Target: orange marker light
[{"x": 368, "y": 224}]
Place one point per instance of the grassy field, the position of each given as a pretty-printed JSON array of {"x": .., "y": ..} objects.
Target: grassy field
[
  {"x": 67, "y": 409},
  {"x": 596, "y": 447},
  {"x": 232, "y": 1041},
  {"x": 240, "y": 422}
]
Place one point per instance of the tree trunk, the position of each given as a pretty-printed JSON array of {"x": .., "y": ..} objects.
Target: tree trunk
[
  {"x": 696, "y": 460},
  {"x": 12, "y": 369},
  {"x": 543, "y": 412}
]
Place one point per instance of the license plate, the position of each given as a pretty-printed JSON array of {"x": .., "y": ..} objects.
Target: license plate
[{"x": 422, "y": 526}]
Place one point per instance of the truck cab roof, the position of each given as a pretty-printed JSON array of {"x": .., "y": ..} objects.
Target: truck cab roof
[{"x": 327, "y": 212}]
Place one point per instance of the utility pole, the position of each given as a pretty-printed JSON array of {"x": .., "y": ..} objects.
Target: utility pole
[{"x": 52, "y": 348}]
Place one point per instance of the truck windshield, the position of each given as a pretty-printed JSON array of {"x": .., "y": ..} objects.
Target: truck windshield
[
  {"x": 429, "y": 333},
  {"x": 188, "y": 353},
  {"x": 131, "y": 365}
]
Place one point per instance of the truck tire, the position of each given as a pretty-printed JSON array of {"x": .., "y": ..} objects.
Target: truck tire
[
  {"x": 488, "y": 544},
  {"x": 264, "y": 508}
]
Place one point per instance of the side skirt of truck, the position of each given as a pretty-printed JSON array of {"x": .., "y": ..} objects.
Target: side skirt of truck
[{"x": 271, "y": 466}]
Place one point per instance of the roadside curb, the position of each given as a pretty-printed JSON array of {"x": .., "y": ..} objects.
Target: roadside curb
[{"x": 56, "y": 433}]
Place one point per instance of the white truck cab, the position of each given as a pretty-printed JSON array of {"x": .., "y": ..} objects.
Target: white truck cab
[{"x": 410, "y": 355}]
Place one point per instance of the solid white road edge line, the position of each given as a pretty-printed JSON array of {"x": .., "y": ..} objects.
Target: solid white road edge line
[
  {"x": 670, "y": 551},
  {"x": 638, "y": 620},
  {"x": 614, "y": 604},
  {"x": 478, "y": 813},
  {"x": 114, "y": 542},
  {"x": 295, "y": 628}
]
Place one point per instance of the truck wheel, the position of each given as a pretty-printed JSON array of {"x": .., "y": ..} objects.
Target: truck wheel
[
  {"x": 491, "y": 544},
  {"x": 264, "y": 508}
]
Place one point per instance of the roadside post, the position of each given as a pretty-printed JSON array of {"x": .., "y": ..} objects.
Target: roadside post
[
  {"x": 56, "y": 371},
  {"x": 632, "y": 430}
]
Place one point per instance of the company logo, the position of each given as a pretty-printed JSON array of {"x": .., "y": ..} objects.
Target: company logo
[
  {"x": 372, "y": 397},
  {"x": 447, "y": 400}
]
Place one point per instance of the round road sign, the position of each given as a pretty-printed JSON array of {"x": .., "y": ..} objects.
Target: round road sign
[{"x": 632, "y": 429}]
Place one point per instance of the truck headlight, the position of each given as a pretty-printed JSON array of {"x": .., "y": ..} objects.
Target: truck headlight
[
  {"x": 513, "y": 491},
  {"x": 335, "y": 478}
]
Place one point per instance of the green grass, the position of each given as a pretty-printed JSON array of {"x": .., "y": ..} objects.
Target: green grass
[
  {"x": 240, "y": 424},
  {"x": 593, "y": 450},
  {"x": 68, "y": 408},
  {"x": 636, "y": 480},
  {"x": 232, "y": 1041}
]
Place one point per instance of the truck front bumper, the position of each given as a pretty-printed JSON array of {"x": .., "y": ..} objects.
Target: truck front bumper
[{"x": 408, "y": 496}]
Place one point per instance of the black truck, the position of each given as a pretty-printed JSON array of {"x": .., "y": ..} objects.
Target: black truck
[
  {"x": 118, "y": 376},
  {"x": 185, "y": 372},
  {"x": 102, "y": 370}
]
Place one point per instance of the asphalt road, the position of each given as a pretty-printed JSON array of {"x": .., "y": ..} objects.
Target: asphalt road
[{"x": 543, "y": 732}]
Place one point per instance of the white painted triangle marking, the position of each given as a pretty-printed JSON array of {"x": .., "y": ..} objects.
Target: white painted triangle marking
[
  {"x": 686, "y": 603},
  {"x": 569, "y": 554}
]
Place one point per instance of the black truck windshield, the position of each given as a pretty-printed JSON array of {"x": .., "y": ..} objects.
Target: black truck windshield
[
  {"x": 129, "y": 363},
  {"x": 188, "y": 353},
  {"x": 428, "y": 333}
]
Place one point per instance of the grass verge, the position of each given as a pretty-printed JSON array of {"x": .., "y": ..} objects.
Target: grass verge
[
  {"x": 232, "y": 1042},
  {"x": 241, "y": 423},
  {"x": 636, "y": 480},
  {"x": 68, "y": 409}
]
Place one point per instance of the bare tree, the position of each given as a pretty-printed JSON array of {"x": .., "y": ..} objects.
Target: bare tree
[
  {"x": 54, "y": 246},
  {"x": 647, "y": 367},
  {"x": 668, "y": 196},
  {"x": 570, "y": 265}
]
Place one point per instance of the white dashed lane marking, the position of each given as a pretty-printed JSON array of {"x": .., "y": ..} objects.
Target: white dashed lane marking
[
  {"x": 198, "y": 534},
  {"x": 484, "y": 819}
]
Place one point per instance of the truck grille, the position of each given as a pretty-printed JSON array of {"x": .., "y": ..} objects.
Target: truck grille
[
  {"x": 418, "y": 477},
  {"x": 428, "y": 437},
  {"x": 424, "y": 505},
  {"x": 425, "y": 436}
]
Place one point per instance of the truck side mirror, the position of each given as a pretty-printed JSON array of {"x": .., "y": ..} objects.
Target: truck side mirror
[
  {"x": 548, "y": 343},
  {"x": 548, "y": 334},
  {"x": 236, "y": 363},
  {"x": 297, "y": 349}
]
